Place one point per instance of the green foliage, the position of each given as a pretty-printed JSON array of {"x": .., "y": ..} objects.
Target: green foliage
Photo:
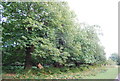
[
  {"x": 54, "y": 73},
  {"x": 51, "y": 28},
  {"x": 111, "y": 62},
  {"x": 114, "y": 57}
]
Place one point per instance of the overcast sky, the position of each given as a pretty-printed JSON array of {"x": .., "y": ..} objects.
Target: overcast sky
[{"x": 103, "y": 13}]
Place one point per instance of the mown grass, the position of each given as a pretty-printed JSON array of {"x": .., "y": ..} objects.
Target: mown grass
[
  {"x": 53, "y": 73},
  {"x": 111, "y": 73}
]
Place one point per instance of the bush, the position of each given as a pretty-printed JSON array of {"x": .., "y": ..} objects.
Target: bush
[{"x": 64, "y": 69}]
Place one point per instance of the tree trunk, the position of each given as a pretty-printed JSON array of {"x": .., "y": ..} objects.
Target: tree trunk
[
  {"x": 28, "y": 58},
  {"x": 57, "y": 65},
  {"x": 29, "y": 50}
]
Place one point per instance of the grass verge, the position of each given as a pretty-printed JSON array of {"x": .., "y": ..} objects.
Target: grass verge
[{"x": 111, "y": 73}]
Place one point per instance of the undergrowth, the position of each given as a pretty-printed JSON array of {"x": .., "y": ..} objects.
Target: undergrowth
[{"x": 51, "y": 72}]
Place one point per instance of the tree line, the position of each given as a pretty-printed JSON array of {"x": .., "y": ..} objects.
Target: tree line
[{"x": 48, "y": 33}]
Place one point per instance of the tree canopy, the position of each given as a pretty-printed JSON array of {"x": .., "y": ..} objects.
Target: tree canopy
[
  {"x": 115, "y": 57},
  {"x": 47, "y": 33}
]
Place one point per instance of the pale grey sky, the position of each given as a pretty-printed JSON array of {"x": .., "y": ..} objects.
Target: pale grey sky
[{"x": 103, "y": 13}]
